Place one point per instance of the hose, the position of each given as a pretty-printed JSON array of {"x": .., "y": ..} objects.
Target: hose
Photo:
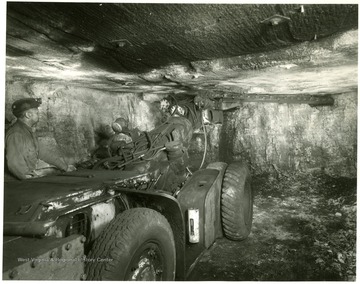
[{"x": 205, "y": 148}]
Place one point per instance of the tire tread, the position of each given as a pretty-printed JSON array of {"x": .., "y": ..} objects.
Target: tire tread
[
  {"x": 233, "y": 184},
  {"x": 115, "y": 238}
]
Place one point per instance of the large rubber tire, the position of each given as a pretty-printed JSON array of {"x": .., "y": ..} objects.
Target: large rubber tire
[
  {"x": 237, "y": 202},
  {"x": 137, "y": 245}
]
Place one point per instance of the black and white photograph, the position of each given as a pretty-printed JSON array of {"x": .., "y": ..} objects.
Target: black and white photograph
[{"x": 179, "y": 141}]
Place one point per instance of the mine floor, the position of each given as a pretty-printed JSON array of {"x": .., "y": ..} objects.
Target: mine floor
[{"x": 304, "y": 229}]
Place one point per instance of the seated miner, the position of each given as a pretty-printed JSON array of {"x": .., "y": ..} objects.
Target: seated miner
[
  {"x": 121, "y": 126},
  {"x": 24, "y": 158},
  {"x": 114, "y": 136},
  {"x": 122, "y": 133}
]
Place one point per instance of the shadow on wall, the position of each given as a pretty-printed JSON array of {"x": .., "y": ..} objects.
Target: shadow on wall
[{"x": 227, "y": 139}]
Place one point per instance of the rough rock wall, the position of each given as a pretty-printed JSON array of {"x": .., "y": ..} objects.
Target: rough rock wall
[
  {"x": 71, "y": 118},
  {"x": 284, "y": 137},
  {"x": 272, "y": 137}
]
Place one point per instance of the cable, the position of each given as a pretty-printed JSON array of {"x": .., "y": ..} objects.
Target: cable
[
  {"x": 142, "y": 148},
  {"x": 205, "y": 148}
]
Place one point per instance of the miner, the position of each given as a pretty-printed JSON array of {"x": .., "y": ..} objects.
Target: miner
[{"x": 23, "y": 156}]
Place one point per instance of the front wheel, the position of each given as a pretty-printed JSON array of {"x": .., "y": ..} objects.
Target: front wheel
[
  {"x": 237, "y": 202},
  {"x": 137, "y": 245}
]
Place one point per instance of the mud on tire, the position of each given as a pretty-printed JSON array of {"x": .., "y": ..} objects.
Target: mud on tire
[
  {"x": 137, "y": 245},
  {"x": 237, "y": 202}
]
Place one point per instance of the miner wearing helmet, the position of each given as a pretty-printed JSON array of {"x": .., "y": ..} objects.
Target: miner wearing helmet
[{"x": 24, "y": 160}]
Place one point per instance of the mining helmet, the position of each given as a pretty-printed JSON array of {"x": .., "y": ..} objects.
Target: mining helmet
[
  {"x": 119, "y": 124},
  {"x": 19, "y": 106}
]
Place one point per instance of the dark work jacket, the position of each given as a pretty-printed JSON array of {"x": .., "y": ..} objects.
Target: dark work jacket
[{"x": 22, "y": 149}]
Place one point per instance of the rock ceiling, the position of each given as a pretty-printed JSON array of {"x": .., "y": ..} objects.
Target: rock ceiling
[{"x": 162, "y": 48}]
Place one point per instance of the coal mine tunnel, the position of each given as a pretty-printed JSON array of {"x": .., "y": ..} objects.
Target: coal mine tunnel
[{"x": 184, "y": 141}]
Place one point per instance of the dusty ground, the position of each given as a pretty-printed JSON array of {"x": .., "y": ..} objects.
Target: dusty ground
[{"x": 304, "y": 229}]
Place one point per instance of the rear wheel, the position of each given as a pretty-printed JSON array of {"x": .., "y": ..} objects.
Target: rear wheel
[
  {"x": 237, "y": 202},
  {"x": 137, "y": 245}
]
